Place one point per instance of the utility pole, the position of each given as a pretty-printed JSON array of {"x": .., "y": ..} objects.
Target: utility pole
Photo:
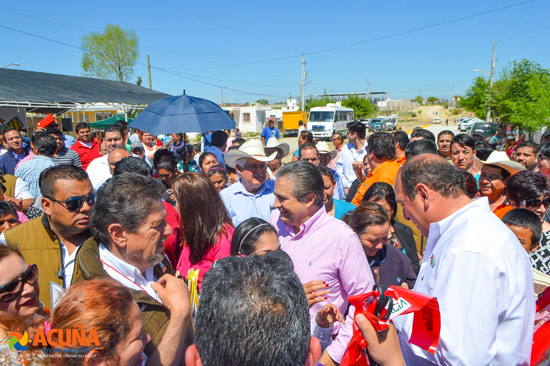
[
  {"x": 303, "y": 81},
  {"x": 222, "y": 93},
  {"x": 368, "y": 90},
  {"x": 149, "y": 71},
  {"x": 492, "y": 79}
]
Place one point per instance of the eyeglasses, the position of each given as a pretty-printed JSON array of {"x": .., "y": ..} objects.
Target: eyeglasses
[
  {"x": 76, "y": 202},
  {"x": 13, "y": 289},
  {"x": 536, "y": 202}
]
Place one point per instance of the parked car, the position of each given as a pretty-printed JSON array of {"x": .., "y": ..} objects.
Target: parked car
[
  {"x": 385, "y": 123},
  {"x": 464, "y": 124},
  {"x": 486, "y": 129},
  {"x": 437, "y": 120},
  {"x": 366, "y": 122}
]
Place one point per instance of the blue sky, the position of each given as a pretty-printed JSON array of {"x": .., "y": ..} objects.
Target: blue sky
[{"x": 404, "y": 48}]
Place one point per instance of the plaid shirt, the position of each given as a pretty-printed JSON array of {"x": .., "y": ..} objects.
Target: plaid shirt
[{"x": 30, "y": 171}]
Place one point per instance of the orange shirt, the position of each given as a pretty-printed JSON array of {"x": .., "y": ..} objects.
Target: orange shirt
[
  {"x": 401, "y": 160},
  {"x": 502, "y": 209},
  {"x": 385, "y": 172}
]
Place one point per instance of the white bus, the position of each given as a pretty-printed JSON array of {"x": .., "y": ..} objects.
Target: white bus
[{"x": 323, "y": 122}]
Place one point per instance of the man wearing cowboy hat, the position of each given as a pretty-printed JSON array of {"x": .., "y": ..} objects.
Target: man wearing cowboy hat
[
  {"x": 492, "y": 181},
  {"x": 282, "y": 149},
  {"x": 252, "y": 195}
]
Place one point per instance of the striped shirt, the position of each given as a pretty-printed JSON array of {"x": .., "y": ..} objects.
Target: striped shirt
[
  {"x": 30, "y": 171},
  {"x": 68, "y": 157}
]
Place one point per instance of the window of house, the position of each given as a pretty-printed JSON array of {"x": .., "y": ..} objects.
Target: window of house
[{"x": 246, "y": 117}]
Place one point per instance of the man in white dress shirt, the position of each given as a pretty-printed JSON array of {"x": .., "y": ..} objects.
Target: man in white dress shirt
[
  {"x": 473, "y": 264},
  {"x": 351, "y": 157},
  {"x": 98, "y": 170},
  {"x": 129, "y": 229}
]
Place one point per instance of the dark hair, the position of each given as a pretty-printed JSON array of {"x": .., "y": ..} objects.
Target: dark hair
[
  {"x": 203, "y": 156},
  {"x": 305, "y": 179},
  {"x": 307, "y": 145},
  {"x": 424, "y": 134},
  {"x": 358, "y": 128},
  {"x": 533, "y": 145},
  {"x": 326, "y": 172},
  {"x": 54, "y": 131},
  {"x": 401, "y": 138},
  {"x": 544, "y": 150},
  {"x": 247, "y": 234},
  {"x": 503, "y": 172},
  {"x": 114, "y": 128},
  {"x": 418, "y": 147},
  {"x": 381, "y": 144},
  {"x": 464, "y": 140},
  {"x": 4, "y": 128},
  {"x": 44, "y": 143},
  {"x": 470, "y": 183},
  {"x": 527, "y": 219},
  {"x": 219, "y": 138},
  {"x": 526, "y": 185},
  {"x": 217, "y": 169},
  {"x": 7, "y": 208},
  {"x": 132, "y": 164},
  {"x": 239, "y": 142},
  {"x": 483, "y": 149},
  {"x": 433, "y": 171},
  {"x": 382, "y": 190},
  {"x": 446, "y": 132},
  {"x": 197, "y": 148},
  {"x": 49, "y": 176},
  {"x": 169, "y": 163},
  {"x": 307, "y": 135},
  {"x": 162, "y": 155},
  {"x": 258, "y": 307},
  {"x": 126, "y": 199},
  {"x": 80, "y": 126},
  {"x": 365, "y": 215},
  {"x": 121, "y": 124},
  {"x": 204, "y": 217}
]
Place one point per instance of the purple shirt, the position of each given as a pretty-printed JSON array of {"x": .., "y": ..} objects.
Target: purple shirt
[{"x": 326, "y": 249}]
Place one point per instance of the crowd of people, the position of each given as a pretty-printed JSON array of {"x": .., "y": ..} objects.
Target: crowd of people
[{"x": 220, "y": 253}]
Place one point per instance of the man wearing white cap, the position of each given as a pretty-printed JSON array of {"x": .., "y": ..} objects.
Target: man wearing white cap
[{"x": 252, "y": 195}]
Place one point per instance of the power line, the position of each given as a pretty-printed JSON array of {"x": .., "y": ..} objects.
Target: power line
[{"x": 217, "y": 86}]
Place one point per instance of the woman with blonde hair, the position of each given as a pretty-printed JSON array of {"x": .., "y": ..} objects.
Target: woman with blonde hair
[{"x": 205, "y": 224}]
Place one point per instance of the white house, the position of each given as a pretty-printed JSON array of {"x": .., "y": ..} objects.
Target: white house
[{"x": 252, "y": 118}]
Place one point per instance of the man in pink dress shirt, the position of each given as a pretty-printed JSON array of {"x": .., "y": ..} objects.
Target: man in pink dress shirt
[{"x": 322, "y": 248}]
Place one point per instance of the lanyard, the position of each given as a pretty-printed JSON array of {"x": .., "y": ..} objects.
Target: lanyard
[{"x": 114, "y": 269}]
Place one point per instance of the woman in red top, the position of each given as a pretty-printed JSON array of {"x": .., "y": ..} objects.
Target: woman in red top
[{"x": 206, "y": 228}]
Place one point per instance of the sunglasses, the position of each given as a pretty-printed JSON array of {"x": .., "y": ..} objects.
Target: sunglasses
[
  {"x": 13, "y": 289},
  {"x": 536, "y": 202},
  {"x": 76, "y": 202}
]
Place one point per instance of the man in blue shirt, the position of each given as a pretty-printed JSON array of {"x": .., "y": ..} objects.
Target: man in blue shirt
[
  {"x": 252, "y": 195},
  {"x": 16, "y": 151},
  {"x": 270, "y": 131},
  {"x": 44, "y": 146}
]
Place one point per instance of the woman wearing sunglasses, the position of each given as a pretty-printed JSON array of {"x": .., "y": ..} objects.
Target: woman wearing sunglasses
[
  {"x": 20, "y": 306},
  {"x": 531, "y": 190}
]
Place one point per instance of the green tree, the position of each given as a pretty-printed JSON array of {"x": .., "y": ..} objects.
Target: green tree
[
  {"x": 475, "y": 100},
  {"x": 321, "y": 102},
  {"x": 262, "y": 101},
  {"x": 362, "y": 108},
  {"x": 419, "y": 100},
  {"x": 111, "y": 54},
  {"x": 521, "y": 97},
  {"x": 432, "y": 100}
]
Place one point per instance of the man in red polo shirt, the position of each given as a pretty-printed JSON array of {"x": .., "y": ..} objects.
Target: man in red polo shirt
[{"x": 86, "y": 147}]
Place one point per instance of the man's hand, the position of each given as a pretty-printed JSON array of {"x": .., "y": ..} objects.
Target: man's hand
[
  {"x": 328, "y": 315},
  {"x": 383, "y": 347},
  {"x": 174, "y": 294},
  {"x": 316, "y": 291}
]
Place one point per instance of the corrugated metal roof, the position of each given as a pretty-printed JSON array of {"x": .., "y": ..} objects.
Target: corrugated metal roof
[{"x": 30, "y": 86}]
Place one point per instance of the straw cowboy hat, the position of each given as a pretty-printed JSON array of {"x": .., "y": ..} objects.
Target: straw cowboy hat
[
  {"x": 274, "y": 143},
  {"x": 322, "y": 147},
  {"x": 252, "y": 149},
  {"x": 501, "y": 160}
]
